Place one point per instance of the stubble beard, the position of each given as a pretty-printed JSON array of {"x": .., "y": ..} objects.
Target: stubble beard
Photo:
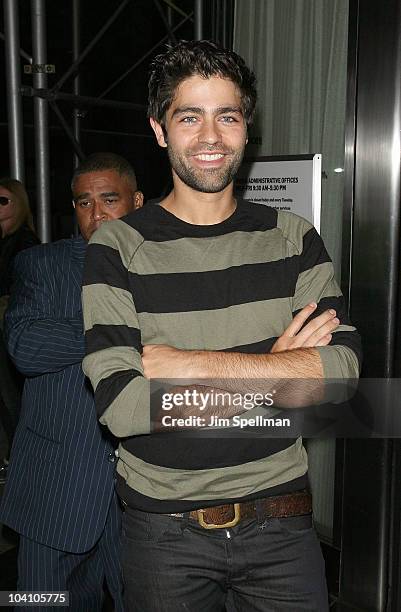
[{"x": 205, "y": 180}]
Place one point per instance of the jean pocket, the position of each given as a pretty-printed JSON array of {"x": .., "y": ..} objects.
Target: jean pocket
[
  {"x": 144, "y": 526},
  {"x": 296, "y": 525},
  {"x": 136, "y": 525}
]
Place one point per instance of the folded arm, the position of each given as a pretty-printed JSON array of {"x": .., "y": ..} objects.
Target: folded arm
[
  {"x": 39, "y": 339},
  {"x": 293, "y": 355},
  {"x": 304, "y": 351}
]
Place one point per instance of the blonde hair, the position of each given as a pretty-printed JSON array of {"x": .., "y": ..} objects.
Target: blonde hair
[{"x": 23, "y": 212}]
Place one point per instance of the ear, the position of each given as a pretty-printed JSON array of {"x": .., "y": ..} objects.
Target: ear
[
  {"x": 158, "y": 130},
  {"x": 138, "y": 200}
]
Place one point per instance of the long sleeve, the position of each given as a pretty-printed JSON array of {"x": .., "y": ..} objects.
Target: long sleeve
[
  {"x": 113, "y": 340},
  {"x": 343, "y": 356},
  {"x": 38, "y": 340},
  {"x": 128, "y": 298}
]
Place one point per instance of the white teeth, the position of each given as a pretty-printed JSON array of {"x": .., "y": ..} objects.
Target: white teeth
[{"x": 212, "y": 157}]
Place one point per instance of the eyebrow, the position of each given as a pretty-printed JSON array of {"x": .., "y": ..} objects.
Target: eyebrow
[
  {"x": 107, "y": 194},
  {"x": 201, "y": 111},
  {"x": 80, "y": 196},
  {"x": 104, "y": 194}
]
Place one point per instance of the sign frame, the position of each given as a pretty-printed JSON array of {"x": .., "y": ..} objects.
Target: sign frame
[{"x": 312, "y": 188}]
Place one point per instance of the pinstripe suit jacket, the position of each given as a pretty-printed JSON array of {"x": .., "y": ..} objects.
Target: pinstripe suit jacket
[{"x": 61, "y": 473}]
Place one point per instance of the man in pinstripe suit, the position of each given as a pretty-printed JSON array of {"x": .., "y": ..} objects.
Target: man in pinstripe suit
[{"x": 60, "y": 491}]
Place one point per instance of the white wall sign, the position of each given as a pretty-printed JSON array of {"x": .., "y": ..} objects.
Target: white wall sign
[{"x": 290, "y": 183}]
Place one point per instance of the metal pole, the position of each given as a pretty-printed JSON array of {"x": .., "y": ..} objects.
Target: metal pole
[
  {"x": 224, "y": 23},
  {"x": 47, "y": 94},
  {"x": 198, "y": 25},
  {"x": 76, "y": 88},
  {"x": 170, "y": 20},
  {"x": 78, "y": 151},
  {"x": 176, "y": 8},
  {"x": 76, "y": 44},
  {"x": 127, "y": 72},
  {"x": 166, "y": 22},
  {"x": 14, "y": 98},
  {"x": 170, "y": 17},
  {"x": 74, "y": 66},
  {"x": 60, "y": 128},
  {"x": 22, "y": 53},
  {"x": 38, "y": 10}
]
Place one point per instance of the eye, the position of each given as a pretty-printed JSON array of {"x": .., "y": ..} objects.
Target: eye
[
  {"x": 189, "y": 120},
  {"x": 84, "y": 203},
  {"x": 111, "y": 201},
  {"x": 228, "y": 119}
]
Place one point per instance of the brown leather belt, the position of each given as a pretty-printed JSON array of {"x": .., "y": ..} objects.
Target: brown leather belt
[{"x": 229, "y": 515}]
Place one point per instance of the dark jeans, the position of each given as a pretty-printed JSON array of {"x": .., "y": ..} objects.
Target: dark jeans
[{"x": 173, "y": 564}]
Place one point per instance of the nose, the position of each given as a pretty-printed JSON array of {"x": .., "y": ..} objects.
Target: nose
[
  {"x": 98, "y": 211},
  {"x": 209, "y": 132}
]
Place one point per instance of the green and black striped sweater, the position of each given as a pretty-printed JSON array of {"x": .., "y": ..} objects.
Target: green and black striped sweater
[{"x": 151, "y": 278}]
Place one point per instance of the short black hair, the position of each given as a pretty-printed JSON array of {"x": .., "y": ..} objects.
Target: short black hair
[
  {"x": 96, "y": 162},
  {"x": 203, "y": 58}
]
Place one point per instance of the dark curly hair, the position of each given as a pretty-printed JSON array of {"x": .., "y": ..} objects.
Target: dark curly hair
[{"x": 203, "y": 58}]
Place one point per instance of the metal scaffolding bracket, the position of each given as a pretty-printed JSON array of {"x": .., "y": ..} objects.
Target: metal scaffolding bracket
[{"x": 39, "y": 69}]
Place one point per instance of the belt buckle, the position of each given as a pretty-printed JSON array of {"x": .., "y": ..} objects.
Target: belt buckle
[{"x": 235, "y": 521}]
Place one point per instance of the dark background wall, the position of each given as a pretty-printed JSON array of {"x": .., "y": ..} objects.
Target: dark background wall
[{"x": 136, "y": 30}]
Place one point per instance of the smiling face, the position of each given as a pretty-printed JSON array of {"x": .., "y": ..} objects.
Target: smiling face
[
  {"x": 206, "y": 133},
  {"x": 101, "y": 196}
]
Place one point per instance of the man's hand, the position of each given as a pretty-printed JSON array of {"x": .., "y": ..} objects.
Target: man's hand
[{"x": 316, "y": 333}]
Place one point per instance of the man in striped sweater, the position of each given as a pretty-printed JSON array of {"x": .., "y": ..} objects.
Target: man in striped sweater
[{"x": 204, "y": 286}]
